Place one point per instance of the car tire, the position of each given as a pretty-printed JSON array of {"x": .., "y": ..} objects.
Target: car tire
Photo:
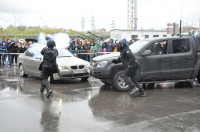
[
  {"x": 118, "y": 82},
  {"x": 22, "y": 71},
  {"x": 84, "y": 79}
]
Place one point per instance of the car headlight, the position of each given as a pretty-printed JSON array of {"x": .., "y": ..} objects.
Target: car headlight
[
  {"x": 101, "y": 63},
  {"x": 62, "y": 67},
  {"x": 92, "y": 63}
]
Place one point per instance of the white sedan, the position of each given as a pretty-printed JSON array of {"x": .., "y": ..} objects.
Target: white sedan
[{"x": 69, "y": 66}]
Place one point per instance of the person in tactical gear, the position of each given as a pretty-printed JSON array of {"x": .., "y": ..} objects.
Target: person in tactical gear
[
  {"x": 48, "y": 66},
  {"x": 130, "y": 68}
]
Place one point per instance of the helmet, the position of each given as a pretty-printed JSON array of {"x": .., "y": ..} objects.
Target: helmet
[
  {"x": 122, "y": 45},
  {"x": 51, "y": 44}
]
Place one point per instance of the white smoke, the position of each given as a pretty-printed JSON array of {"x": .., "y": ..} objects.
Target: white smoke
[{"x": 61, "y": 39}]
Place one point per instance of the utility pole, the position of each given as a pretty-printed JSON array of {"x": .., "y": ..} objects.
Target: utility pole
[
  {"x": 82, "y": 23},
  {"x": 43, "y": 21},
  {"x": 15, "y": 24},
  {"x": 92, "y": 24},
  {"x": 113, "y": 24}
]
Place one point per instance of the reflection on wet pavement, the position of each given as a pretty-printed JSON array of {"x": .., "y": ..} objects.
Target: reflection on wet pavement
[{"x": 92, "y": 106}]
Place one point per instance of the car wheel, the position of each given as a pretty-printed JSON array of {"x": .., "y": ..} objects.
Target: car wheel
[
  {"x": 84, "y": 79},
  {"x": 22, "y": 71},
  {"x": 119, "y": 83}
]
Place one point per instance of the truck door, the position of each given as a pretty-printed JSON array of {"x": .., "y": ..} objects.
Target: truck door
[
  {"x": 155, "y": 67},
  {"x": 182, "y": 56}
]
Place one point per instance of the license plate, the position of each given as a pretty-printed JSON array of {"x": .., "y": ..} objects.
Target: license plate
[{"x": 78, "y": 71}]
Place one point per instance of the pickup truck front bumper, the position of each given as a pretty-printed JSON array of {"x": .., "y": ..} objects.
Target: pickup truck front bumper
[{"x": 99, "y": 72}]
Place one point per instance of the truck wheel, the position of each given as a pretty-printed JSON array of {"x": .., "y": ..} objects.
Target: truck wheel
[{"x": 118, "y": 82}]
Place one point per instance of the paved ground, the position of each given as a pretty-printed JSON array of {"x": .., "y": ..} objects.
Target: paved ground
[{"x": 92, "y": 107}]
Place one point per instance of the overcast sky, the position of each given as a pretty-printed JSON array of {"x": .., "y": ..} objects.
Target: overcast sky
[{"x": 68, "y": 13}]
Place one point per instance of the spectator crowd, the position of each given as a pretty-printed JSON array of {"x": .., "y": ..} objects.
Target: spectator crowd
[
  {"x": 12, "y": 48},
  {"x": 83, "y": 49},
  {"x": 87, "y": 50}
]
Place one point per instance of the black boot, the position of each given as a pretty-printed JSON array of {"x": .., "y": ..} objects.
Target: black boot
[
  {"x": 49, "y": 94},
  {"x": 142, "y": 94}
]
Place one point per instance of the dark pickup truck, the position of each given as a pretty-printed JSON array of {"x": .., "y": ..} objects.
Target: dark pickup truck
[{"x": 160, "y": 59}]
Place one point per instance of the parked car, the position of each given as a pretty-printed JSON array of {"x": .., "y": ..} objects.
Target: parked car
[
  {"x": 31, "y": 39},
  {"x": 69, "y": 66},
  {"x": 161, "y": 59}
]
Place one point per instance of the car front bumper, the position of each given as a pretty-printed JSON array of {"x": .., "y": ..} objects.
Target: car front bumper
[{"x": 70, "y": 74}]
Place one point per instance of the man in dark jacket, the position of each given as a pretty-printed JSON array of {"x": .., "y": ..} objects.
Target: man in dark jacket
[
  {"x": 110, "y": 46},
  {"x": 10, "y": 48},
  {"x": 22, "y": 48},
  {"x": 15, "y": 49},
  {"x": 130, "y": 69},
  {"x": 48, "y": 66}
]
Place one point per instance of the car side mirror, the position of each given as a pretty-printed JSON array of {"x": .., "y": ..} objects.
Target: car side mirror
[{"x": 146, "y": 53}]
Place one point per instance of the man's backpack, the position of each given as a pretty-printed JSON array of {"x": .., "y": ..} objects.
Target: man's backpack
[{"x": 50, "y": 55}]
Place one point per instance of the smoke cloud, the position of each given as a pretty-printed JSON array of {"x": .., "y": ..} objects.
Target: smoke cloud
[{"x": 61, "y": 39}]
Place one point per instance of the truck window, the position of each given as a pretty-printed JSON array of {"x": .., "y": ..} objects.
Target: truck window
[
  {"x": 180, "y": 46},
  {"x": 138, "y": 45},
  {"x": 158, "y": 48}
]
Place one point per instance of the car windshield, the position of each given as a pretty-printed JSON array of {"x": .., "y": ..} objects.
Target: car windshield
[
  {"x": 64, "y": 53},
  {"x": 138, "y": 45}
]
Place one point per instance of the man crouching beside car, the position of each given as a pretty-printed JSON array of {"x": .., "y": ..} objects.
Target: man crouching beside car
[{"x": 130, "y": 65}]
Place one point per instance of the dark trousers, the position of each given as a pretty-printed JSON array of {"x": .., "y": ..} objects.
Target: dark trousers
[
  {"x": 129, "y": 76},
  {"x": 10, "y": 59},
  {"x": 14, "y": 58},
  {"x": 45, "y": 83}
]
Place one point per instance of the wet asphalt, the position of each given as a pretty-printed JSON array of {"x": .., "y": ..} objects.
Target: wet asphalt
[{"x": 93, "y": 107}]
